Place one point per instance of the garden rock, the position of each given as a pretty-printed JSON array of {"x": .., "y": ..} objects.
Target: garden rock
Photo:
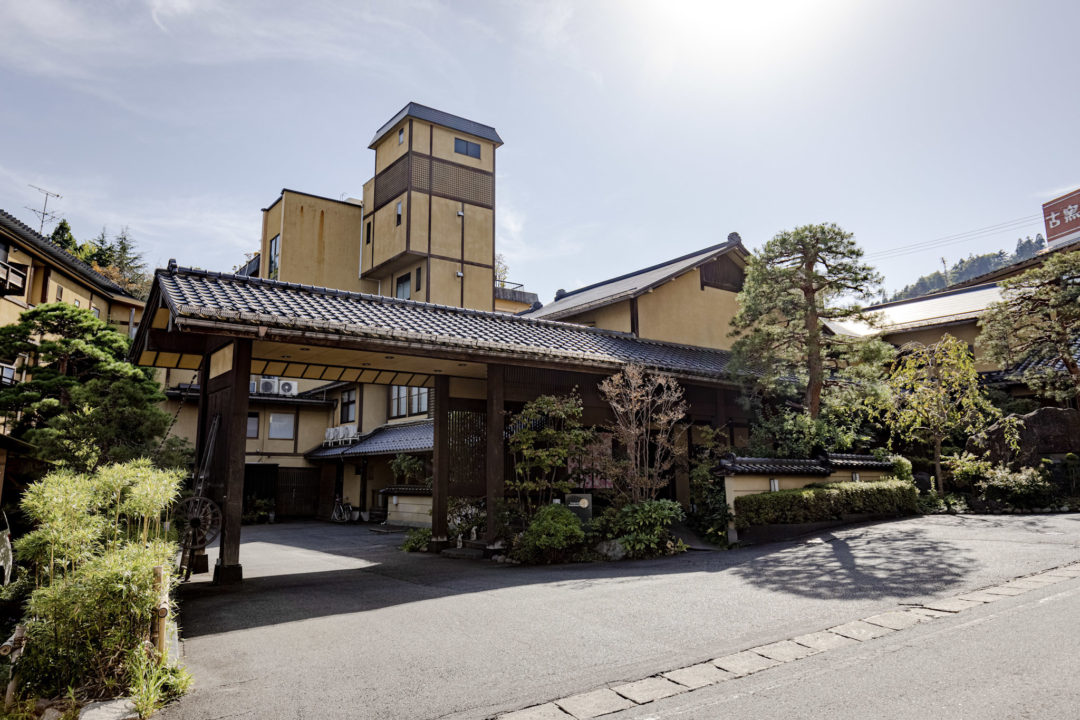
[
  {"x": 1045, "y": 431},
  {"x": 611, "y": 550},
  {"x": 122, "y": 709},
  {"x": 51, "y": 714}
]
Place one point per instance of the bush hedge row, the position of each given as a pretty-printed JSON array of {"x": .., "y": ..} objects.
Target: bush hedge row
[{"x": 826, "y": 501}]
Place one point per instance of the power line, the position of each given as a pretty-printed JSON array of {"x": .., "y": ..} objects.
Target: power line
[{"x": 1002, "y": 227}]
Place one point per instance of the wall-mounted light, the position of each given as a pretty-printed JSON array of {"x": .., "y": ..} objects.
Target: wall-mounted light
[{"x": 460, "y": 274}]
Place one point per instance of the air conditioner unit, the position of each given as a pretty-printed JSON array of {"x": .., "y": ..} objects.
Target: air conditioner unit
[
  {"x": 287, "y": 387},
  {"x": 328, "y": 437},
  {"x": 268, "y": 385},
  {"x": 350, "y": 432},
  {"x": 339, "y": 433}
]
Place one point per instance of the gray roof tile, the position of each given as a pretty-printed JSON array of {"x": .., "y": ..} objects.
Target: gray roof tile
[
  {"x": 454, "y": 122},
  {"x": 194, "y": 295},
  {"x": 384, "y": 440}
]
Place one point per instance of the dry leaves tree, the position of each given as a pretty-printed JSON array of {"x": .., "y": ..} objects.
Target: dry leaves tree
[{"x": 647, "y": 407}]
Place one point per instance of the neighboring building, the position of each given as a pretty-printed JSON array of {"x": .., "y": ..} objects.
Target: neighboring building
[
  {"x": 689, "y": 300},
  {"x": 35, "y": 271}
]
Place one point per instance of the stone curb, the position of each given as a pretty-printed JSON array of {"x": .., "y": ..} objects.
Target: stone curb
[{"x": 606, "y": 700}]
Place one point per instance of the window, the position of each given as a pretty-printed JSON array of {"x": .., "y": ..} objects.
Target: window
[
  {"x": 78, "y": 303},
  {"x": 253, "y": 425},
  {"x": 399, "y": 401},
  {"x": 367, "y": 233},
  {"x": 401, "y": 290},
  {"x": 59, "y": 293},
  {"x": 275, "y": 257},
  {"x": 281, "y": 426},
  {"x": 96, "y": 311},
  {"x": 418, "y": 401},
  {"x": 464, "y": 147},
  {"x": 418, "y": 285},
  {"x": 7, "y": 374},
  {"x": 4, "y": 250},
  {"x": 398, "y": 220},
  {"x": 400, "y": 135},
  {"x": 348, "y": 406}
]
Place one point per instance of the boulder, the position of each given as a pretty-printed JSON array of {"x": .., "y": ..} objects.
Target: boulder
[
  {"x": 1046, "y": 431},
  {"x": 611, "y": 550}
]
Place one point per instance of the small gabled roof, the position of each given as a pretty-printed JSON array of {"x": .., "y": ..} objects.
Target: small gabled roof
[
  {"x": 62, "y": 257},
  {"x": 383, "y": 440},
  {"x": 635, "y": 283},
  {"x": 438, "y": 117}
]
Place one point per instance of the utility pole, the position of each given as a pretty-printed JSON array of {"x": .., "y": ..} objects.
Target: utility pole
[
  {"x": 945, "y": 271},
  {"x": 44, "y": 213}
]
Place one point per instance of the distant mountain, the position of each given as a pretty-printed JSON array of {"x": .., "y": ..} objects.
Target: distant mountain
[{"x": 969, "y": 267}]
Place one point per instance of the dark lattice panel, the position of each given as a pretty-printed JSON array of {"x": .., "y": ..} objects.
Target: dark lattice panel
[
  {"x": 468, "y": 445},
  {"x": 421, "y": 173},
  {"x": 392, "y": 181},
  {"x": 462, "y": 183}
]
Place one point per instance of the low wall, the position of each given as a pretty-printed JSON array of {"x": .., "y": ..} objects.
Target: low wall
[
  {"x": 408, "y": 510},
  {"x": 739, "y": 485}
]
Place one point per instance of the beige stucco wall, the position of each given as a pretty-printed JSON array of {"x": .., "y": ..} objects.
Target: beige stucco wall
[
  {"x": 321, "y": 241},
  {"x": 610, "y": 317},
  {"x": 864, "y": 475},
  {"x": 389, "y": 149},
  {"x": 510, "y": 306},
  {"x": 740, "y": 485},
  {"x": 965, "y": 332},
  {"x": 389, "y": 239},
  {"x": 409, "y": 510},
  {"x": 376, "y": 405},
  {"x": 681, "y": 311},
  {"x": 445, "y": 226}
]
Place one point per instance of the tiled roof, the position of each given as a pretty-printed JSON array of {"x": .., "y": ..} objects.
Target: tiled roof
[
  {"x": 384, "y": 440},
  {"x": 771, "y": 466},
  {"x": 438, "y": 117},
  {"x": 196, "y": 297},
  {"x": 823, "y": 465},
  {"x": 632, "y": 284},
  {"x": 416, "y": 490},
  {"x": 857, "y": 462},
  {"x": 59, "y": 255},
  {"x": 516, "y": 295}
]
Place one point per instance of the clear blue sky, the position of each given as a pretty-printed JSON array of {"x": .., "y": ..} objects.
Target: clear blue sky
[{"x": 635, "y": 131}]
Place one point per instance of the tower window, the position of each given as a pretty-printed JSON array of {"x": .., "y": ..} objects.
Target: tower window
[
  {"x": 464, "y": 147},
  {"x": 400, "y": 135},
  {"x": 398, "y": 221},
  {"x": 348, "y": 406},
  {"x": 275, "y": 257},
  {"x": 367, "y": 234},
  {"x": 418, "y": 284}
]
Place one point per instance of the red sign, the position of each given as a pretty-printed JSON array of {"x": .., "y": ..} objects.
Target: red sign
[{"x": 1062, "y": 216}]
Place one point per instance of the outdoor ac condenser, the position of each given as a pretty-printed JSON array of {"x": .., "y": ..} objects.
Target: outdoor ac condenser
[
  {"x": 268, "y": 385},
  {"x": 287, "y": 387}
]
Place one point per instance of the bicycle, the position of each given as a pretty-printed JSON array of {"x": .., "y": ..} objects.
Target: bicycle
[{"x": 342, "y": 511}]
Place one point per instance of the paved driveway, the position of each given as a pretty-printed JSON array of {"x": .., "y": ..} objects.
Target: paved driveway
[{"x": 334, "y": 622}]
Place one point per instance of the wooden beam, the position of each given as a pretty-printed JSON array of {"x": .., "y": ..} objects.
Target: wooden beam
[
  {"x": 496, "y": 447},
  {"x": 440, "y": 487}
]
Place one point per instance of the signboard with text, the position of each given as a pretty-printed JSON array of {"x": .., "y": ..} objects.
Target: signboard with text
[{"x": 1062, "y": 216}]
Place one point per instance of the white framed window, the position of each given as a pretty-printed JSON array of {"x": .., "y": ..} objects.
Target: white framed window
[
  {"x": 400, "y": 136},
  {"x": 403, "y": 289},
  {"x": 282, "y": 426},
  {"x": 253, "y": 425},
  {"x": 397, "y": 220}
]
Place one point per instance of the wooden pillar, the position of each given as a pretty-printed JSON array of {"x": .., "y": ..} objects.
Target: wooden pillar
[
  {"x": 496, "y": 447},
  {"x": 682, "y": 473},
  {"x": 440, "y": 486},
  {"x": 227, "y": 372}
]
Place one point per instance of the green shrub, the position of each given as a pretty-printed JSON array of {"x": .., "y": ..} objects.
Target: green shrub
[
  {"x": 967, "y": 470},
  {"x": 81, "y": 628},
  {"x": 901, "y": 469},
  {"x": 552, "y": 535},
  {"x": 1025, "y": 488},
  {"x": 416, "y": 540},
  {"x": 826, "y": 501},
  {"x": 643, "y": 528}
]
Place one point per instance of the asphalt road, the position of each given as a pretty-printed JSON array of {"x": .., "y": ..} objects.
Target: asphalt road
[
  {"x": 1014, "y": 658},
  {"x": 334, "y": 622}
]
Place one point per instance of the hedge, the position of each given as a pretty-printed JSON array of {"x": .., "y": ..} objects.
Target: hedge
[{"x": 826, "y": 501}]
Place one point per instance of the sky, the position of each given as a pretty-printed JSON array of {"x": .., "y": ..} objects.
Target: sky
[{"x": 634, "y": 131}]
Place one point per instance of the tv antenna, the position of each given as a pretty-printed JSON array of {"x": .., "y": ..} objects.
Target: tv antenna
[{"x": 44, "y": 214}]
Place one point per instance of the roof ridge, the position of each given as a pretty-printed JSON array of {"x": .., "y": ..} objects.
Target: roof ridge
[
  {"x": 657, "y": 266},
  {"x": 937, "y": 293}
]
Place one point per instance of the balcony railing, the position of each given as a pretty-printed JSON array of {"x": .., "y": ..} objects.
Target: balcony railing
[{"x": 12, "y": 280}]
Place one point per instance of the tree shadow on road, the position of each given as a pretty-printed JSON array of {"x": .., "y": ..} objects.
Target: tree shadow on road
[{"x": 865, "y": 565}]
